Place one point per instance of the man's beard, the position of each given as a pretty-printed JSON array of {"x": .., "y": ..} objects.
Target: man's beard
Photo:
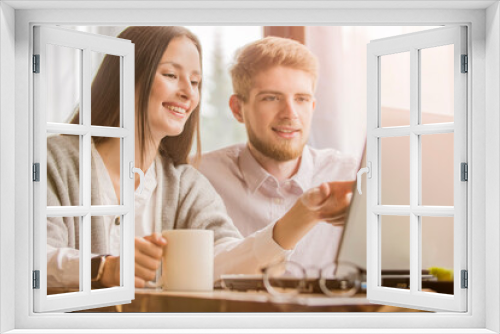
[{"x": 282, "y": 151}]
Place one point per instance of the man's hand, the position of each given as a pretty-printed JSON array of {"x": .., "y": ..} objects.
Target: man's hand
[
  {"x": 329, "y": 201},
  {"x": 148, "y": 253}
]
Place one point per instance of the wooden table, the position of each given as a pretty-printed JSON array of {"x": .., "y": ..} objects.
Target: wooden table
[{"x": 156, "y": 301}]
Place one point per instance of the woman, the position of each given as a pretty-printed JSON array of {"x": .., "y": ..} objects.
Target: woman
[{"x": 168, "y": 86}]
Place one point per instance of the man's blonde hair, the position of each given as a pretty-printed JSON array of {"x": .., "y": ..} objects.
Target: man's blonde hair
[{"x": 266, "y": 53}]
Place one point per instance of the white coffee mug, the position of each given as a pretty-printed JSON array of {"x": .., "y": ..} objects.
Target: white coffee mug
[{"x": 188, "y": 260}]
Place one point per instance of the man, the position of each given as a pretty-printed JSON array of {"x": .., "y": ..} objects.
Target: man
[{"x": 266, "y": 181}]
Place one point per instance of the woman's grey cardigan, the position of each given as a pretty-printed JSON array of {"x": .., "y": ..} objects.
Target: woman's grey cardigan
[{"x": 185, "y": 200}]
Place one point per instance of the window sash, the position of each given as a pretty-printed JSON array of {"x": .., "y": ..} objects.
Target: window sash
[
  {"x": 414, "y": 298},
  {"x": 85, "y": 298}
]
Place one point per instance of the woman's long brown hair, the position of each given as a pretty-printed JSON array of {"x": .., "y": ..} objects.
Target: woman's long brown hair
[{"x": 150, "y": 44}]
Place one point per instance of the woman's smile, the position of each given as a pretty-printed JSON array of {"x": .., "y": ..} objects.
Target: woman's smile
[{"x": 176, "y": 110}]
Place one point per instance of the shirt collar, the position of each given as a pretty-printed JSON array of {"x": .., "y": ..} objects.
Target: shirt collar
[{"x": 255, "y": 175}]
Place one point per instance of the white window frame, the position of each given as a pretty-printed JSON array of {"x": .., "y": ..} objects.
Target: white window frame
[
  {"x": 86, "y": 43},
  {"x": 483, "y": 21},
  {"x": 413, "y": 44}
]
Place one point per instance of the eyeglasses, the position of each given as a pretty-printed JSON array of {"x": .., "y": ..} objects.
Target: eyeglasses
[{"x": 285, "y": 280}]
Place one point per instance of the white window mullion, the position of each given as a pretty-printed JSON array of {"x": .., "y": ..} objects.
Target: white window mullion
[
  {"x": 373, "y": 263},
  {"x": 378, "y": 253},
  {"x": 425, "y": 129},
  {"x": 434, "y": 211},
  {"x": 85, "y": 246},
  {"x": 85, "y": 168},
  {"x": 394, "y": 210},
  {"x": 415, "y": 274},
  {"x": 80, "y": 130},
  {"x": 394, "y": 131},
  {"x": 418, "y": 264},
  {"x": 128, "y": 155},
  {"x": 405, "y": 210},
  {"x": 122, "y": 176},
  {"x": 431, "y": 129}
]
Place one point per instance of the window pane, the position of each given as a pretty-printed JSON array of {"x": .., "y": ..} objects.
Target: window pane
[
  {"x": 63, "y": 70},
  {"x": 106, "y": 228},
  {"x": 437, "y": 169},
  {"x": 395, "y": 170},
  {"x": 437, "y": 84},
  {"x": 395, "y": 251},
  {"x": 105, "y": 96},
  {"x": 63, "y": 154},
  {"x": 437, "y": 253},
  {"x": 63, "y": 256},
  {"x": 106, "y": 173},
  {"x": 395, "y": 89}
]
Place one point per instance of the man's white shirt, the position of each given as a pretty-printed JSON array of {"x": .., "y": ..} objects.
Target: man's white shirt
[{"x": 254, "y": 198}]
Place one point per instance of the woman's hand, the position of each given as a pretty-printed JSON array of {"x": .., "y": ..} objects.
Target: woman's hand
[{"x": 148, "y": 254}]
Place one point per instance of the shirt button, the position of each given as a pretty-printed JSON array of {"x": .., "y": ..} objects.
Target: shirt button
[
  {"x": 277, "y": 200},
  {"x": 117, "y": 221}
]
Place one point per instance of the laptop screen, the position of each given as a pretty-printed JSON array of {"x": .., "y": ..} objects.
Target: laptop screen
[{"x": 352, "y": 247}]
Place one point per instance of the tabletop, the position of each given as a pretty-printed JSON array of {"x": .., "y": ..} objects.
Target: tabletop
[{"x": 158, "y": 301}]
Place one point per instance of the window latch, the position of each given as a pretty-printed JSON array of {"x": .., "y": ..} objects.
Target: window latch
[
  {"x": 133, "y": 170},
  {"x": 368, "y": 171}
]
